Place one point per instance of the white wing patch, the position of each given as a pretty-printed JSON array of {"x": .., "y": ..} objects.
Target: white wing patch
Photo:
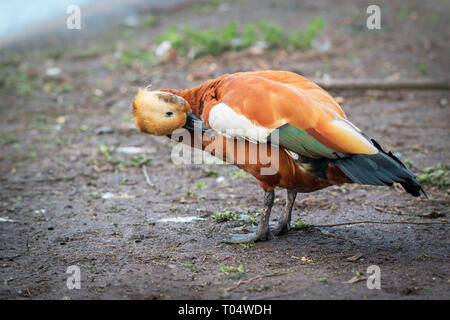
[{"x": 231, "y": 124}]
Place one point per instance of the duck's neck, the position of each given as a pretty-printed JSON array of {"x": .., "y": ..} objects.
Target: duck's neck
[
  {"x": 192, "y": 96},
  {"x": 197, "y": 96}
]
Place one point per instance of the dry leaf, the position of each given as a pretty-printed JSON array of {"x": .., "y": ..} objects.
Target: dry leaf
[
  {"x": 339, "y": 99},
  {"x": 356, "y": 279},
  {"x": 355, "y": 257},
  {"x": 61, "y": 120}
]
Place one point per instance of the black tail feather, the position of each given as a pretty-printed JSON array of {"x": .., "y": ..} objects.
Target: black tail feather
[{"x": 379, "y": 169}]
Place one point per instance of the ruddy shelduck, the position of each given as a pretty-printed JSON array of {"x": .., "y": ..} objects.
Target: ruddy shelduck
[{"x": 301, "y": 127}]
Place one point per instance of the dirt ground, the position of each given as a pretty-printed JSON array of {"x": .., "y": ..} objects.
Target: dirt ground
[{"x": 63, "y": 203}]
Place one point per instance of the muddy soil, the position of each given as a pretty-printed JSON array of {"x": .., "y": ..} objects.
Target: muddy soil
[{"x": 71, "y": 194}]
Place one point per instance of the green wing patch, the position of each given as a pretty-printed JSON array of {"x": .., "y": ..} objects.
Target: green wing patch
[{"x": 299, "y": 141}]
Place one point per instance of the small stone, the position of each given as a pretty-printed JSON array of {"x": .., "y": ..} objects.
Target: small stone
[
  {"x": 162, "y": 49},
  {"x": 326, "y": 78},
  {"x": 53, "y": 72},
  {"x": 104, "y": 130},
  {"x": 220, "y": 179},
  {"x": 322, "y": 46},
  {"x": 259, "y": 47},
  {"x": 129, "y": 150},
  {"x": 107, "y": 195},
  {"x": 98, "y": 92}
]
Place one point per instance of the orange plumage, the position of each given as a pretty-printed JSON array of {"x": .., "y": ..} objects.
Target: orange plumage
[{"x": 316, "y": 145}]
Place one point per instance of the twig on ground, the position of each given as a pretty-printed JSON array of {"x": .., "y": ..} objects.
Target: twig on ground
[
  {"x": 48, "y": 180},
  {"x": 368, "y": 221},
  {"x": 259, "y": 277},
  {"x": 147, "y": 178},
  {"x": 378, "y": 84},
  {"x": 435, "y": 200}
]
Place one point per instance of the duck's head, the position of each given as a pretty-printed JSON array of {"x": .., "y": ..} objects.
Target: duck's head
[{"x": 159, "y": 112}]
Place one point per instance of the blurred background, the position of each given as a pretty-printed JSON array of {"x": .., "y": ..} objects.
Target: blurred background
[
  {"x": 322, "y": 39},
  {"x": 71, "y": 184}
]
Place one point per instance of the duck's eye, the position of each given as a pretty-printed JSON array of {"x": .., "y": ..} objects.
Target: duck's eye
[{"x": 169, "y": 113}]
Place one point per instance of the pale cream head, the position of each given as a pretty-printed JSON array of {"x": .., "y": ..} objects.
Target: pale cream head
[{"x": 158, "y": 112}]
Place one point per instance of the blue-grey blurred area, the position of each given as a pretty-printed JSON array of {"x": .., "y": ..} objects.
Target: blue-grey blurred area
[
  {"x": 30, "y": 22},
  {"x": 20, "y": 14}
]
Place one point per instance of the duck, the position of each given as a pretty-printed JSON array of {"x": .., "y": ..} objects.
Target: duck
[{"x": 280, "y": 127}]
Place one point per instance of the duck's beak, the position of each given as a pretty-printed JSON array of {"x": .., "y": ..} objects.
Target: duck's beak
[{"x": 194, "y": 123}]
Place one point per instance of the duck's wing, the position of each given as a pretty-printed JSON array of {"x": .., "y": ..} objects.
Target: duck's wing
[{"x": 297, "y": 115}]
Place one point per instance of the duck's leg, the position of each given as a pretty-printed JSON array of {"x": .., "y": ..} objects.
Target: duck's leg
[
  {"x": 263, "y": 233},
  {"x": 284, "y": 222}
]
